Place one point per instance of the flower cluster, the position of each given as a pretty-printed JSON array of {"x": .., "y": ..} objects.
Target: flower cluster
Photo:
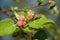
[{"x": 22, "y": 20}]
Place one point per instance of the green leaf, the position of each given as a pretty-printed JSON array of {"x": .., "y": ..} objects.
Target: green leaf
[
  {"x": 27, "y": 30},
  {"x": 40, "y": 34},
  {"x": 40, "y": 1},
  {"x": 39, "y": 23},
  {"x": 7, "y": 26},
  {"x": 26, "y": 9},
  {"x": 23, "y": 13},
  {"x": 52, "y": 5},
  {"x": 36, "y": 24}
]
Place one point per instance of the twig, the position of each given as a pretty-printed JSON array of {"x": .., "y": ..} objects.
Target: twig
[{"x": 8, "y": 12}]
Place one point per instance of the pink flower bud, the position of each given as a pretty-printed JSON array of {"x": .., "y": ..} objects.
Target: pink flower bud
[
  {"x": 21, "y": 17},
  {"x": 21, "y": 23},
  {"x": 30, "y": 13},
  {"x": 24, "y": 23}
]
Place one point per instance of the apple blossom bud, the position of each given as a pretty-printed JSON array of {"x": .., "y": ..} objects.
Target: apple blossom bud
[
  {"x": 21, "y": 17},
  {"x": 30, "y": 15},
  {"x": 21, "y": 23}
]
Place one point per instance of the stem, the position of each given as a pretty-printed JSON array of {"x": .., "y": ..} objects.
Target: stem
[
  {"x": 28, "y": 37},
  {"x": 16, "y": 15}
]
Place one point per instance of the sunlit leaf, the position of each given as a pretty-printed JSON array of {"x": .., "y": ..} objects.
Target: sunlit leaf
[
  {"x": 7, "y": 26},
  {"x": 39, "y": 22}
]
